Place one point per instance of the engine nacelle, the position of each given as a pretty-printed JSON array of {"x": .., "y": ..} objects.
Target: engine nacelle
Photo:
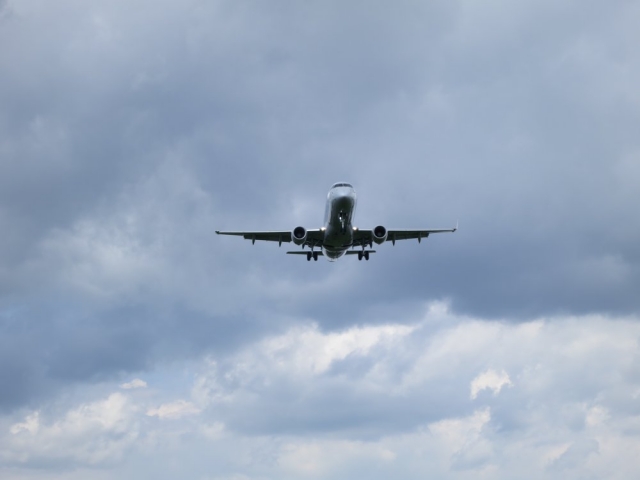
[
  {"x": 379, "y": 234},
  {"x": 299, "y": 235}
]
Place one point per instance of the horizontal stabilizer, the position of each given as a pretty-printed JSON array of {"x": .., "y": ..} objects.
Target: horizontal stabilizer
[
  {"x": 305, "y": 252},
  {"x": 355, "y": 252}
]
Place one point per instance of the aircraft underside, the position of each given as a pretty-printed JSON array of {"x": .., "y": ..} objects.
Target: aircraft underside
[{"x": 338, "y": 237}]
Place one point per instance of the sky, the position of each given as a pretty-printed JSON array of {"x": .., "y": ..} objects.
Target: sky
[{"x": 135, "y": 343}]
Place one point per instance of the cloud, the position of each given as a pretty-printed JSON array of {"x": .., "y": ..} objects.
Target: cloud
[
  {"x": 575, "y": 454},
  {"x": 135, "y": 383},
  {"x": 176, "y": 409},
  {"x": 94, "y": 433},
  {"x": 387, "y": 398},
  {"x": 315, "y": 352},
  {"x": 31, "y": 424},
  {"x": 463, "y": 438},
  {"x": 127, "y": 137},
  {"x": 490, "y": 380},
  {"x": 418, "y": 374}
]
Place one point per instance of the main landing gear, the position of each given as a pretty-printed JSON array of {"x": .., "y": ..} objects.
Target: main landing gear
[
  {"x": 363, "y": 254},
  {"x": 311, "y": 255}
]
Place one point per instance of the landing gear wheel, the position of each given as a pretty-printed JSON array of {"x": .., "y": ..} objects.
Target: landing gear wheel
[
  {"x": 315, "y": 256},
  {"x": 360, "y": 255},
  {"x": 366, "y": 256},
  {"x": 308, "y": 256}
]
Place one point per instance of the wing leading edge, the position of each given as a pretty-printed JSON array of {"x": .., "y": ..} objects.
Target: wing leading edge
[
  {"x": 365, "y": 237},
  {"x": 314, "y": 237},
  {"x": 348, "y": 252}
]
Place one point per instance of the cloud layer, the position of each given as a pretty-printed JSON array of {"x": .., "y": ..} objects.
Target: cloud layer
[
  {"x": 131, "y": 334},
  {"x": 562, "y": 402}
]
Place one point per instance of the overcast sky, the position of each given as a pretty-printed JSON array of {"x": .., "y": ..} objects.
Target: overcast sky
[{"x": 135, "y": 343}]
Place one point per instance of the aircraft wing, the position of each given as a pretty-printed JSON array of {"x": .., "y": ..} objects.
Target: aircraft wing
[
  {"x": 365, "y": 237},
  {"x": 314, "y": 237}
]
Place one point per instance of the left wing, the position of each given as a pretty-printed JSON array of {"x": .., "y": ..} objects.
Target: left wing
[
  {"x": 365, "y": 237},
  {"x": 314, "y": 237}
]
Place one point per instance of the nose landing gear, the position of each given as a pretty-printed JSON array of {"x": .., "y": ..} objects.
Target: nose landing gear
[{"x": 343, "y": 221}]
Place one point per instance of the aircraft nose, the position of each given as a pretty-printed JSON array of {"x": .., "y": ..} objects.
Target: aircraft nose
[
  {"x": 346, "y": 198},
  {"x": 344, "y": 194}
]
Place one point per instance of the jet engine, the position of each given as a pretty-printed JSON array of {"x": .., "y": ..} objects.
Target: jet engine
[
  {"x": 299, "y": 235},
  {"x": 379, "y": 234}
]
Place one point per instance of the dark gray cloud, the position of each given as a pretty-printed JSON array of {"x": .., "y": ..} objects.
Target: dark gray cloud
[{"x": 129, "y": 135}]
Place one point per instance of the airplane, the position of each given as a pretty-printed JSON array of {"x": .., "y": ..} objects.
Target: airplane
[{"x": 338, "y": 234}]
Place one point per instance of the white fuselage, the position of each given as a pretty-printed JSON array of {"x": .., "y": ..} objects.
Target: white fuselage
[{"x": 338, "y": 227}]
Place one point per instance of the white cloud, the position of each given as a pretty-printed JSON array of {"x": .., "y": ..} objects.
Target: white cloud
[
  {"x": 407, "y": 369},
  {"x": 173, "y": 410},
  {"x": 30, "y": 424},
  {"x": 597, "y": 416},
  {"x": 135, "y": 383},
  {"x": 313, "y": 352},
  {"x": 490, "y": 380},
  {"x": 300, "y": 353},
  {"x": 323, "y": 458},
  {"x": 388, "y": 400},
  {"x": 89, "y": 434},
  {"x": 463, "y": 439}
]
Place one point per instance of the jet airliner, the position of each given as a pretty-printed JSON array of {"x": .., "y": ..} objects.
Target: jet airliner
[{"x": 338, "y": 236}]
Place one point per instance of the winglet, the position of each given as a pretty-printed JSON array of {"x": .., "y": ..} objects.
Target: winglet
[
  {"x": 218, "y": 232},
  {"x": 456, "y": 226}
]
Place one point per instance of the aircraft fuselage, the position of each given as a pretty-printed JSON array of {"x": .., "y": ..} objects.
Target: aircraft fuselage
[{"x": 338, "y": 227}]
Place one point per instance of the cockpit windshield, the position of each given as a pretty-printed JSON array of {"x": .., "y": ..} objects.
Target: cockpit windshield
[{"x": 335, "y": 185}]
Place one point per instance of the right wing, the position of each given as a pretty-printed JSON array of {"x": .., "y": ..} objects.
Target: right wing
[
  {"x": 270, "y": 236},
  {"x": 314, "y": 237}
]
